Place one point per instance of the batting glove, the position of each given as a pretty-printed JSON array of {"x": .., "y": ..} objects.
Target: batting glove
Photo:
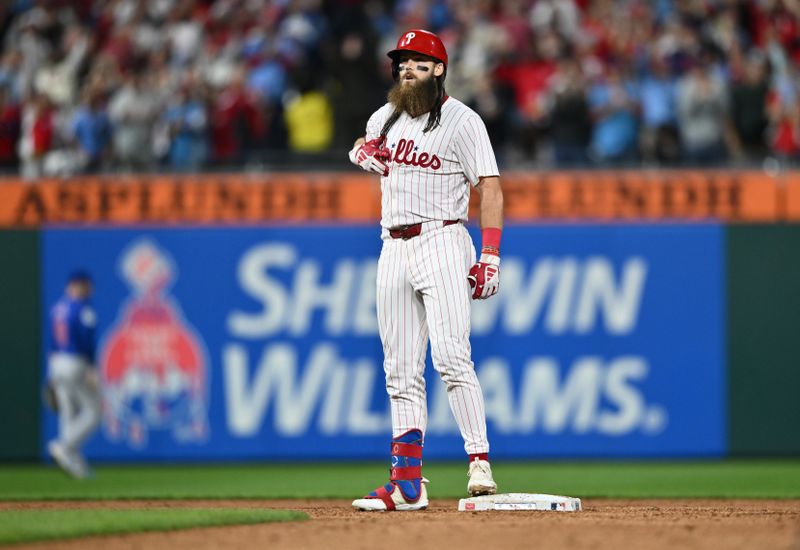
[
  {"x": 484, "y": 276},
  {"x": 372, "y": 156}
]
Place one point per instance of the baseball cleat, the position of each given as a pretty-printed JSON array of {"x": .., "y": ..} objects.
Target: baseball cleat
[
  {"x": 81, "y": 466},
  {"x": 406, "y": 488},
  {"x": 66, "y": 461},
  {"x": 480, "y": 478},
  {"x": 384, "y": 499}
]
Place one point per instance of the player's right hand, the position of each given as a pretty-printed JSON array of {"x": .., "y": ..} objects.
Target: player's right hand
[{"x": 372, "y": 156}]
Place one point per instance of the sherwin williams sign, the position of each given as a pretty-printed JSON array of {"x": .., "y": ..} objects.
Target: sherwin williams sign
[{"x": 262, "y": 343}]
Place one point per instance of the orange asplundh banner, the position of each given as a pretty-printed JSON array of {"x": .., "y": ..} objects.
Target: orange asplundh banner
[{"x": 220, "y": 199}]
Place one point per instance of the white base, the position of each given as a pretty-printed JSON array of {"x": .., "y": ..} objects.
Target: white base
[{"x": 520, "y": 501}]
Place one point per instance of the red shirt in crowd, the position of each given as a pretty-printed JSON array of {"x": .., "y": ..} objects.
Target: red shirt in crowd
[
  {"x": 9, "y": 132},
  {"x": 234, "y": 116}
]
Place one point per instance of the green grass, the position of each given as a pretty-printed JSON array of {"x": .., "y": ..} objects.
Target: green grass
[
  {"x": 32, "y": 525},
  {"x": 715, "y": 479}
]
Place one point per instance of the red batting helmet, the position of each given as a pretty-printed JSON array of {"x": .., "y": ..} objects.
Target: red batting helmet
[{"x": 420, "y": 41}]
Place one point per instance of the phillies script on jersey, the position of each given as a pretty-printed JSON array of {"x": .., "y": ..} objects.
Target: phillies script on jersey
[{"x": 406, "y": 153}]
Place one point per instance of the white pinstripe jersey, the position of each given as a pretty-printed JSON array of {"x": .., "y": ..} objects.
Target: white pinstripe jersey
[{"x": 430, "y": 173}]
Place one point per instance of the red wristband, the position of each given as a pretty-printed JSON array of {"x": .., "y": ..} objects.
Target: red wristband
[{"x": 491, "y": 238}]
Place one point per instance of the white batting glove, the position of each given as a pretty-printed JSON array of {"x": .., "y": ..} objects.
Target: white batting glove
[
  {"x": 372, "y": 156},
  {"x": 484, "y": 276}
]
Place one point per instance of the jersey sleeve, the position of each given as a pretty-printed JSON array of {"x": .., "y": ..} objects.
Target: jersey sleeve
[
  {"x": 374, "y": 124},
  {"x": 474, "y": 150}
]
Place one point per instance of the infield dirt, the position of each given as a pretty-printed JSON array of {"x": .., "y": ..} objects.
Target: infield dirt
[{"x": 602, "y": 525}]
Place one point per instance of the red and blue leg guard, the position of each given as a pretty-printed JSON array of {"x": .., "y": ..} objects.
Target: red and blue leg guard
[{"x": 405, "y": 474}]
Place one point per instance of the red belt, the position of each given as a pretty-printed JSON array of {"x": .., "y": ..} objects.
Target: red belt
[{"x": 406, "y": 232}]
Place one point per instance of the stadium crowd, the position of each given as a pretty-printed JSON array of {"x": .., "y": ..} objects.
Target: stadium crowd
[{"x": 141, "y": 85}]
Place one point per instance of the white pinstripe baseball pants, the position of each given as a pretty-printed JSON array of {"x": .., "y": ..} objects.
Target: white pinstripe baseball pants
[{"x": 422, "y": 293}]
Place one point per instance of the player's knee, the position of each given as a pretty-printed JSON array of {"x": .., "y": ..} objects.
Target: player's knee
[
  {"x": 456, "y": 375},
  {"x": 446, "y": 360}
]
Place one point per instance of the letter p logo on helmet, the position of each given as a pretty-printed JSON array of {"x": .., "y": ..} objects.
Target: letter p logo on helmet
[{"x": 420, "y": 41}]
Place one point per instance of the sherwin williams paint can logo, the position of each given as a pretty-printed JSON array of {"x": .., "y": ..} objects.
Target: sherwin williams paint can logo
[{"x": 153, "y": 363}]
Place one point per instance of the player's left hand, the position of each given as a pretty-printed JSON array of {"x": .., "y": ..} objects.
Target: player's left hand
[{"x": 484, "y": 276}]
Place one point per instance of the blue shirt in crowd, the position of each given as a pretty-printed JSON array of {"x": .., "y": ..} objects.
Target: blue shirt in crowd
[
  {"x": 658, "y": 101},
  {"x": 616, "y": 133},
  {"x": 268, "y": 80},
  {"x": 92, "y": 130},
  {"x": 188, "y": 148}
]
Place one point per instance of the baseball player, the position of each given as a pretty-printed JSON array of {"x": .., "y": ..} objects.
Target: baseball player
[
  {"x": 429, "y": 149},
  {"x": 72, "y": 374}
]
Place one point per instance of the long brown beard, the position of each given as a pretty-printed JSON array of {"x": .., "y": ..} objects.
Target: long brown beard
[{"x": 416, "y": 99}]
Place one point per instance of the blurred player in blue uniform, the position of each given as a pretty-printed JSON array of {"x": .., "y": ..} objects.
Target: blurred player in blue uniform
[{"x": 72, "y": 374}]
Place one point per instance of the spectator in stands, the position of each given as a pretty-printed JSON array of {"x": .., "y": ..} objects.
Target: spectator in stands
[
  {"x": 91, "y": 128},
  {"x": 119, "y": 47},
  {"x": 36, "y": 136},
  {"x": 184, "y": 33},
  {"x": 217, "y": 63},
  {"x": 659, "y": 139},
  {"x": 512, "y": 18},
  {"x": 309, "y": 117},
  {"x": 186, "y": 123},
  {"x": 164, "y": 81},
  {"x": 27, "y": 38},
  {"x": 146, "y": 35},
  {"x": 569, "y": 116},
  {"x": 783, "y": 109},
  {"x": 777, "y": 24},
  {"x": 527, "y": 75},
  {"x": 749, "y": 106},
  {"x": 9, "y": 130},
  {"x": 267, "y": 78},
  {"x": 559, "y": 15},
  {"x": 57, "y": 78},
  {"x": 614, "y": 104},
  {"x": 479, "y": 41},
  {"x": 11, "y": 74},
  {"x": 237, "y": 123},
  {"x": 133, "y": 110},
  {"x": 704, "y": 116}
]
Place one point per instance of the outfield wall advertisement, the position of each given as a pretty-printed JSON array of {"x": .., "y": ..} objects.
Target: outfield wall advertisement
[{"x": 261, "y": 343}]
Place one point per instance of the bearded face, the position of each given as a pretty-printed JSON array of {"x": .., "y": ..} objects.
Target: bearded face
[{"x": 417, "y": 88}]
